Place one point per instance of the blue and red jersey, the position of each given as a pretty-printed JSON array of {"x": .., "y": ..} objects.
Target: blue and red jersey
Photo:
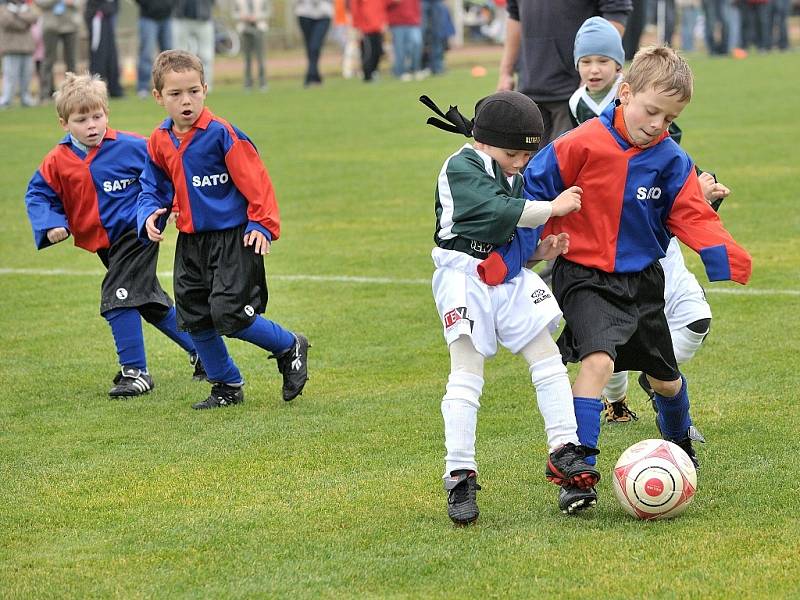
[
  {"x": 93, "y": 195},
  {"x": 213, "y": 176},
  {"x": 634, "y": 200}
]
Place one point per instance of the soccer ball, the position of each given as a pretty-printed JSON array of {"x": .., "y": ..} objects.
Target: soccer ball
[{"x": 654, "y": 479}]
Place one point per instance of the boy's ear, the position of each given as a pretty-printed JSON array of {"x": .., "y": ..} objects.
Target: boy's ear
[
  {"x": 624, "y": 93},
  {"x": 63, "y": 124},
  {"x": 158, "y": 97}
]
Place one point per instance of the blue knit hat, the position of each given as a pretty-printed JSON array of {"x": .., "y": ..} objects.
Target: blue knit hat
[{"x": 598, "y": 36}]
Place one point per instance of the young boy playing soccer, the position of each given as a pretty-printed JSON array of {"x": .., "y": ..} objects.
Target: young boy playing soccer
[
  {"x": 227, "y": 218},
  {"x": 598, "y": 57},
  {"x": 640, "y": 188},
  {"x": 87, "y": 187},
  {"x": 479, "y": 205}
]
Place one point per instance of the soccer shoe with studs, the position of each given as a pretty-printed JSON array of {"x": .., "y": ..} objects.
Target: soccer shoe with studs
[
  {"x": 130, "y": 381},
  {"x": 293, "y": 365},
  {"x": 199, "y": 373},
  {"x": 567, "y": 466},
  {"x": 618, "y": 411},
  {"x": 572, "y": 499},
  {"x": 462, "y": 506},
  {"x": 221, "y": 395}
]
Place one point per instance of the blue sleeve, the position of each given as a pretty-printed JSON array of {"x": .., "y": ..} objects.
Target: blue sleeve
[
  {"x": 157, "y": 192},
  {"x": 542, "y": 176},
  {"x": 45, "y": 210}
]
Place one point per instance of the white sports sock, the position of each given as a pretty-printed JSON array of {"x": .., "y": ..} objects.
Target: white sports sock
[
  {"x": 554, "y": 397},
  {"x": 617, "y": 387},
  {"x": 460, "y": 412},
  {"x": 686, "y": 343}
]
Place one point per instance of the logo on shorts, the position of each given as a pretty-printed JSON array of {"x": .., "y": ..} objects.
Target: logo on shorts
[
  {"x": 540, "y": 296},
  {"x": 454, "y": 316},
  {"x": 249, "y": 310},
  {"x": 121, "y": 293},
  {"x": 481, "y": 247}
]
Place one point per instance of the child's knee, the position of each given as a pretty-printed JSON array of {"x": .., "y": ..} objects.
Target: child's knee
[
  {"x": 667, "y": 389},
  {"x": 599, "y": 364}
]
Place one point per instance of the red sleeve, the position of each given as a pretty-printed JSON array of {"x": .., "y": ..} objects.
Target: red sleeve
[
  {"x": 252, "y": 180},
  {"x": 696, "y": 224}
]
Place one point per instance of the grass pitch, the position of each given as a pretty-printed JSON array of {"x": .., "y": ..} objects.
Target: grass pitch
[{"x": 338, "y": 494}]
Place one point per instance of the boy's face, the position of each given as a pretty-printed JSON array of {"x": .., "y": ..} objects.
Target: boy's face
[
  {"x": 510, "y": 161},
  {"x": 183, "y": 95},
  {"x": 597, "y": 72},
  {"x": 648, "y": 113},
  {"x": 87, "y": 127}
]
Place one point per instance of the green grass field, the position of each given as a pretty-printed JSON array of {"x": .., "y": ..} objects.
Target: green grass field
[{"x": 338, "y": 494}]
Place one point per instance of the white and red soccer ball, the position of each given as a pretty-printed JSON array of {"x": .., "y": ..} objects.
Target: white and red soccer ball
[{"x": 654, "y": 479}]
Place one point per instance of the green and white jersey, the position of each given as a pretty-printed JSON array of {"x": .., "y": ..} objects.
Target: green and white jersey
[
  {"x": 583, "y": 107},
  {"x": 477, "y": 206}
]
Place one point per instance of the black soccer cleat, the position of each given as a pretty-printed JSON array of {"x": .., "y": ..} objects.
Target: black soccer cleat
[
  {"x": 293, "y": 365},
  {"x": 131, "y": 381},
  {"x": 572, "y": 499},
  {"x": 199, "y": 373},
  {"x": 462, "y": 487},
  {"x": 685, "y": 444},
  {"x": 567, "y": 466},
  {"x": 221, "y": 395}
]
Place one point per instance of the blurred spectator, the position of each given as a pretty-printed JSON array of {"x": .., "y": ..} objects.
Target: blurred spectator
[
  {"x": 369, "y": 17},
  {"x": 16, "y": 46},
  {"x": 101, "y": 18},
  {"x": 38, "y": 49},
  {"x": 252, "y": 21},
  {"x": 347, "y": 38},
  {"x": 718, "y": 24},
  {"x": 634, "y": 27},
  {"x": 689, "y": 11},
  {"x": 314, "y": 17},
  {"x": 434, "y": 39},
  {"x": 155, "y": 27},
  {"x": 193, "y": 31},
  {"x": 404, "y": 17},
  {"x": 779, "y": 25},
  {"x": 61, "y": 22},
  {"x": 757, "y": 24}
]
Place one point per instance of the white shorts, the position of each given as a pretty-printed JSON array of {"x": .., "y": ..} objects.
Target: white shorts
[
  {"x": 685, "y": 301},
  {"x": 512, "y": 313}
]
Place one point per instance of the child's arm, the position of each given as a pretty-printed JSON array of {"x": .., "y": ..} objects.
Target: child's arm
[
  {"x": 696, "y": 224},
  {"x": 44, "y": 207},
  {"x": 155, "y": 199},
  {"x": 251, "y": 178},
  {"x": 713, "y": 191}
]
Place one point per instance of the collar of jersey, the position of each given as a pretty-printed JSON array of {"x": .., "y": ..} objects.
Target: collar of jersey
[
  {"x": 111, "y": 134},
  {"x": 202, "y": 121}
]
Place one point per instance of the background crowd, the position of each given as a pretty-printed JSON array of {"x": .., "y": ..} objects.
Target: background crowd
[{"x": 409, "y": 37}]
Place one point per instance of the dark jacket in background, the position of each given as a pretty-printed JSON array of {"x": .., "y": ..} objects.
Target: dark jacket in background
[
  {"x": 199, "y": 10},
  {"x": 547, "y": 70},
  {"x": 157, "y": 10}
]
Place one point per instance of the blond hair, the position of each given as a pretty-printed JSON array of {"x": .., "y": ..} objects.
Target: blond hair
[
  {"x": 662, "y": 69},
  {"x": 178, "y": 61},
  {"x": 81, "y": 94}
]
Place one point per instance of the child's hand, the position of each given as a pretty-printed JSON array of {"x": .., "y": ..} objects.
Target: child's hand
[
  {"x": 549, "y": 248},
  {"x": 57, "y": 234},
  {"x": 153, "y": 232},
  {"x": 712, "y": 190},
  {"x": 258, "y": 239},
  {"x": 567, "y": 201}
]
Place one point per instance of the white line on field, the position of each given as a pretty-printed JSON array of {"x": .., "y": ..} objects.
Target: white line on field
[{"x": 744, "y": 291}]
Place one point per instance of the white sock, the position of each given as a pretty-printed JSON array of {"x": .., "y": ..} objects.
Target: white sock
[
  {"x": 460, "y": 412},
  {"x": 554, "y": 397},
  {"x": 617, "y": 387}
]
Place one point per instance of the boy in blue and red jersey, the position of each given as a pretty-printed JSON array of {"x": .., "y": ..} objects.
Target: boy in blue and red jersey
[
  {"x": 227, "y": 218},
  {"x": 88, "y": 186},
  {"x": 639, "y": 188}
]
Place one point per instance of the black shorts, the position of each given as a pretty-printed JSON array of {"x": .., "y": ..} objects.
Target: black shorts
[
  {"x": 621, "y": 314},
  {"x": 219, "y": 283},
  {"x": 131, "y": 280}
]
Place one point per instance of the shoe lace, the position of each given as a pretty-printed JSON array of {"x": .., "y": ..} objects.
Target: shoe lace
[{"x": 622, "y": 409}]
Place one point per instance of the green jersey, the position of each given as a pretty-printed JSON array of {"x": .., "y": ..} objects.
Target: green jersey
[{"x": 477, "y": 206}]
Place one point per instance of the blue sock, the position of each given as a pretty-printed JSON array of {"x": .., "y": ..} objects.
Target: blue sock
[
  {"x": 587, "y": 414},
  {"x": 126, "y": 327},
  {"x": 266, "y": 334},
  {"x": 673, "y": 413},
  {"x": 217, "y": 362},
  {"x": 169, "y": 327}
]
